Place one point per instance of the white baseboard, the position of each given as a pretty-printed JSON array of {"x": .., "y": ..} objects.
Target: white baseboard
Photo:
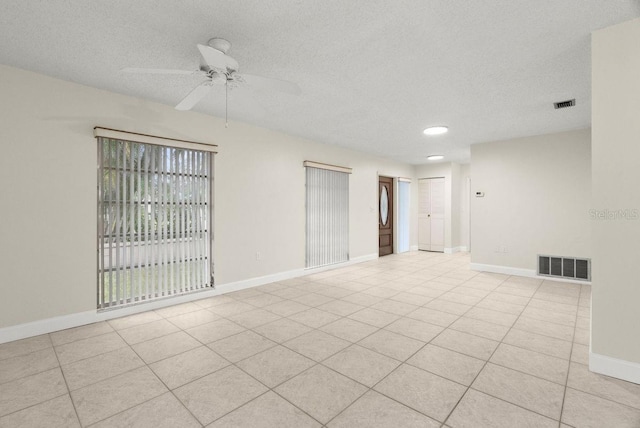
[
  {"x": 530, "y": 273},
  {"x": 35, "y": 328},
  {"x": 455, "y": 250},
  {"x": 506, "y": 270},
  {"x": 621, "y": 369},
  {"x": 353, "y": 261},
  {"x": 49, "y": 325},
  {"x": 365, "y": 258},
  {"x": 413, "y": 248}
]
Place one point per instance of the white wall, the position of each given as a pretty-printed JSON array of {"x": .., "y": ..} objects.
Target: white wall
[
  {"x": 48, "y": 192},
  {"x": 537, "y": 192},
  {"x": 615, "y": 336}
]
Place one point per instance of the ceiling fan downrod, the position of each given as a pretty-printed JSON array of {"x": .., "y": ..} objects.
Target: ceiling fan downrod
[{"x": 226, "y": 104}]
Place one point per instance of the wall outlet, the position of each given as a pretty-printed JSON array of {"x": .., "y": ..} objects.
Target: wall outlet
[
  {"x": 258, "y": 255},
  {"x": 505, "y": 250}
]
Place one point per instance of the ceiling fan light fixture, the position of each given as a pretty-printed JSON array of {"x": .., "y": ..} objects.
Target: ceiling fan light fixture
[
  {"x": 435, "y": 157},
  {"x": 436, "y": 130}
]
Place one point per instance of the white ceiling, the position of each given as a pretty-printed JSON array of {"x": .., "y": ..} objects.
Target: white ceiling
[{"x": 373, "y": 73}]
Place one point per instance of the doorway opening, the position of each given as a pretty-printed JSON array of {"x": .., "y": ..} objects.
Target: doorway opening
[{"x": 403, "y": 215}]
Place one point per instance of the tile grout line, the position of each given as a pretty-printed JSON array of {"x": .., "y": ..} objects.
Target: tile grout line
[
  {"x": 352, "y": 343},
  {"x": 269, "y": 389},
  {"x": 207, "y": 374},
  {"x": 333, "y": 298},
  {"x": 494, "y": 351},
  {"x": 501, "y": 341},
  {"x": 566, "y": 382},
  {"x": 372, "y": 388},
  {"x": 34, "y": 373},
  {"x": 273, "y": 389},
  {"x": 66, "y": 384},
  {"x": 160, "y": 380},
  {"x": 368, "y": 388},
  {"x": 635, "y": 409},
  {"x": 483, "y": 366}
]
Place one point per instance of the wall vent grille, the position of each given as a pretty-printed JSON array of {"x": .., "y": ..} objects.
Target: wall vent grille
[
  {"x": 565, "y": 104},
  {"x": 564, "y": 267}
]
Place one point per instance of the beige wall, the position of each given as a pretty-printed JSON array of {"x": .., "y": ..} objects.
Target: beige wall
[
  {"x": 537, "y": 193},
  {"x": 48, "y": 192},
  {"x": 616, "y": 180}
]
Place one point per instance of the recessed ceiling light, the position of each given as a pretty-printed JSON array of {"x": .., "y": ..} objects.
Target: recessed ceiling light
[
  {"x": 436, "y": 130},
  {"x": 435, "y": 157}
]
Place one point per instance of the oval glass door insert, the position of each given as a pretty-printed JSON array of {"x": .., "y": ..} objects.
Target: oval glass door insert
[{"x": 384, "y": 206}]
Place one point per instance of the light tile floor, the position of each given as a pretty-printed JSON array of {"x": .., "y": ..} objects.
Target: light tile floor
[{"x": 412, "y": 340}]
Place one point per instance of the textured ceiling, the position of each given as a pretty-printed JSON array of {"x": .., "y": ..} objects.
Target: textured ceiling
[{"x": 373, "y": 73}]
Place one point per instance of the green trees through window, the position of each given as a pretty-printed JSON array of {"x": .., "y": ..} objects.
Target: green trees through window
[{"x": 153, "y": 221}]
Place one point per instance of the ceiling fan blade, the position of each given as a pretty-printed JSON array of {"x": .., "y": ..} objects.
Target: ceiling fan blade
[
  {"x": 271, "y": 84},
  {"x": 216, "y": 59},
  {"x": 194, "y": 97},
  {"x": 156, "y": 71}
]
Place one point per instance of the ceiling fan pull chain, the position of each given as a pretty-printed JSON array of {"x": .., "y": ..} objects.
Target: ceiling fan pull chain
[{"x": 226, "y": 103}]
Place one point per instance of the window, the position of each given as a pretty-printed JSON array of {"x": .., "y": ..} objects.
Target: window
[
  {"x": 154, "y": 218},
  {"x": 327, "y": 205}
]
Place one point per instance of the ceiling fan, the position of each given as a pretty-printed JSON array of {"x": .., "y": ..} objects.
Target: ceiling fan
[{"x": 219, "y": 69}]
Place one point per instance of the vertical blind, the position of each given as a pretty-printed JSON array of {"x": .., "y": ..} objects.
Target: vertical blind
[
  {"x": 154, "y": 221},
  {"x": 327, "y": 205}
]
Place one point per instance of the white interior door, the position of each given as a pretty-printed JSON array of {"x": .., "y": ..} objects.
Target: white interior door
[
  {"x": 431, "y": 196},
  {"x": 424, "y": 215},
  {"x": 437, "y": 214}
]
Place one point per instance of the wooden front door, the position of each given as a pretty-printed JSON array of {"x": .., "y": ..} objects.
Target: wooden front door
[{"x": 385, "y": 216}]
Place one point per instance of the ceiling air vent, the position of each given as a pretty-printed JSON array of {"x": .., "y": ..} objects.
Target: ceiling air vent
[
  {"x": 565, "y": 104},
  {"x": 564, "y": 267}
]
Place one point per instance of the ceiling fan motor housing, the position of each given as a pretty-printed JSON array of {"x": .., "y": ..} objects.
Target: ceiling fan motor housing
[
  {"x": 217, "y": 77},
  {"x": 222, "y": 45}
]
